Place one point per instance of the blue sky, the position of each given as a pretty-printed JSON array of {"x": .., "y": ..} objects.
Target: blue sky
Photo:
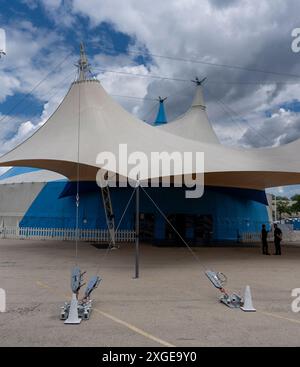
[
  {"x": 246, "y": 108},
  {"x": 37, "y": 15}
]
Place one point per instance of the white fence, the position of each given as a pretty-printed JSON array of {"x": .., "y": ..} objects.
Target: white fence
[
  {"x": 250, "y": 237},
  {"x": 65, "y": 234},
  {"x": 287, "y": 236}
]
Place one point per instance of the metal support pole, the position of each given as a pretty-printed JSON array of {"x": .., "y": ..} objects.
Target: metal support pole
[{"x": 137, "y": 231}]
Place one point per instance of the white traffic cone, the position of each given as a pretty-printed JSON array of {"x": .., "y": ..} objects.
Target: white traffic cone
[
  {"x": 73, "y": 312},
  {"x": 248, "y": 305},
  {"x": 2, "y": 300}
]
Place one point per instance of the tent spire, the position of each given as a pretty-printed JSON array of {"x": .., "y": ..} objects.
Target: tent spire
[
  {"x": 198, "y": 99},
  {"x": 161, "y": 115},
  {"x": 83, "y": 65},
  {"x": 198, "y": 82}
]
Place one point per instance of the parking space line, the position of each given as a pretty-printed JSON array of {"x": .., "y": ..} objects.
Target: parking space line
[
  {"x": 117, "y": 320},
  {"x": 134, "y": 328},
  {"x": 279, "y": 317}
]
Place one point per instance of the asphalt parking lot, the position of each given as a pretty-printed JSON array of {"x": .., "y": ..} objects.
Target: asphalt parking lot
[{"x": 172, "y": 304}]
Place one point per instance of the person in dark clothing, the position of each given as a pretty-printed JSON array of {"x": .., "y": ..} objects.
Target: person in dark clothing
[
  {"x": 277, "y": 239},
  {"x": 264, "y": 240}
]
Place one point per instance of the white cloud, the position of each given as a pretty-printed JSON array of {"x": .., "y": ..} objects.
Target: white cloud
[
  {"x": 282, "y": 127},
  {"x": 288, "y": 191},
  {"x": 54, "y": 4},
  {"x": 125, "y": 85},
  {"x": 32, "y": 53},
  {"x": 9, "y": 84}
]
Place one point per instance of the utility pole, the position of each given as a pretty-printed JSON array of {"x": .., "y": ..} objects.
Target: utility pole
[
  {"x": 137, "y": 230},
  {"x": 275, "y": 214}
]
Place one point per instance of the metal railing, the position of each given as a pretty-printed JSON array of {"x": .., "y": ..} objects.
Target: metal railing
[{"x": 65, "y": 234}]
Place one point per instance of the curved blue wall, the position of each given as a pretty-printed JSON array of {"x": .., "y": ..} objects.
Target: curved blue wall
[{"x": 232, "y": 211}]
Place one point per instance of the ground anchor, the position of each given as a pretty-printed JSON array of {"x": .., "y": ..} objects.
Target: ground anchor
[
  {"x": 76, "y": 310},
  {"x": 231, "y": 300}
]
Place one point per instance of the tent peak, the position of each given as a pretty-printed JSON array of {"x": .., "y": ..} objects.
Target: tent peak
[
  {"x": 161, "y": 117},
  {"x": 198, "y": 82},
  {"x": 198, "y": 100},
  {"x": 162, "y": 99},
  {"x": 83, "y": 65}
]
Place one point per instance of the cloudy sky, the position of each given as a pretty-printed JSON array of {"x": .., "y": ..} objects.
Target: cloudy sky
[{"x": 141, "y": 49}]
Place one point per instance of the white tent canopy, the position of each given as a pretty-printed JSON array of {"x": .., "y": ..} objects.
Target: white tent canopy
[{"x": 89, "y": 119}]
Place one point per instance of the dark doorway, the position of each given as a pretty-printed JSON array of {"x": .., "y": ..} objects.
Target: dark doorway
[
  {"x": 178, "y": 221},
  {"x": 193, "y": 228},
  {"x": 147, "y": 226},
  {"x": 203, "y": 228}
]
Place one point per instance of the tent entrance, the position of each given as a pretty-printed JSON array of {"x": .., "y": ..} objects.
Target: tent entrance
[
  {"x": 203, "y": 228},
  {"x": 147, "y": 224},
  {"x": 196, "y": 229}
]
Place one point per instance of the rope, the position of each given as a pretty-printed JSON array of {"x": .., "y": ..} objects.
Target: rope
[
  {"x": 21, "y": 100},
  {"x": 233, "y": 114},
  {"x": 117, "y": 228},
  {"x": 177, "y": 93},
  {"x": 133, "y": 97},
  {"x": 197, "y": 61},
  {"x": 45, "y": 97},
  {"x": 196, "y": 257},
  {"x": 149, "y": 114},
  {"x": 211, "y": 81}
]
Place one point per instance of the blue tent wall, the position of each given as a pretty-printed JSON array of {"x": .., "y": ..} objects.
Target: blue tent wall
[
  {"x": 232, "y": 214},
  {"x": 49, "y": 211}
]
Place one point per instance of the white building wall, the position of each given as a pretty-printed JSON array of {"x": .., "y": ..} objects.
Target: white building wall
[{"x": 15, "y": 199}]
